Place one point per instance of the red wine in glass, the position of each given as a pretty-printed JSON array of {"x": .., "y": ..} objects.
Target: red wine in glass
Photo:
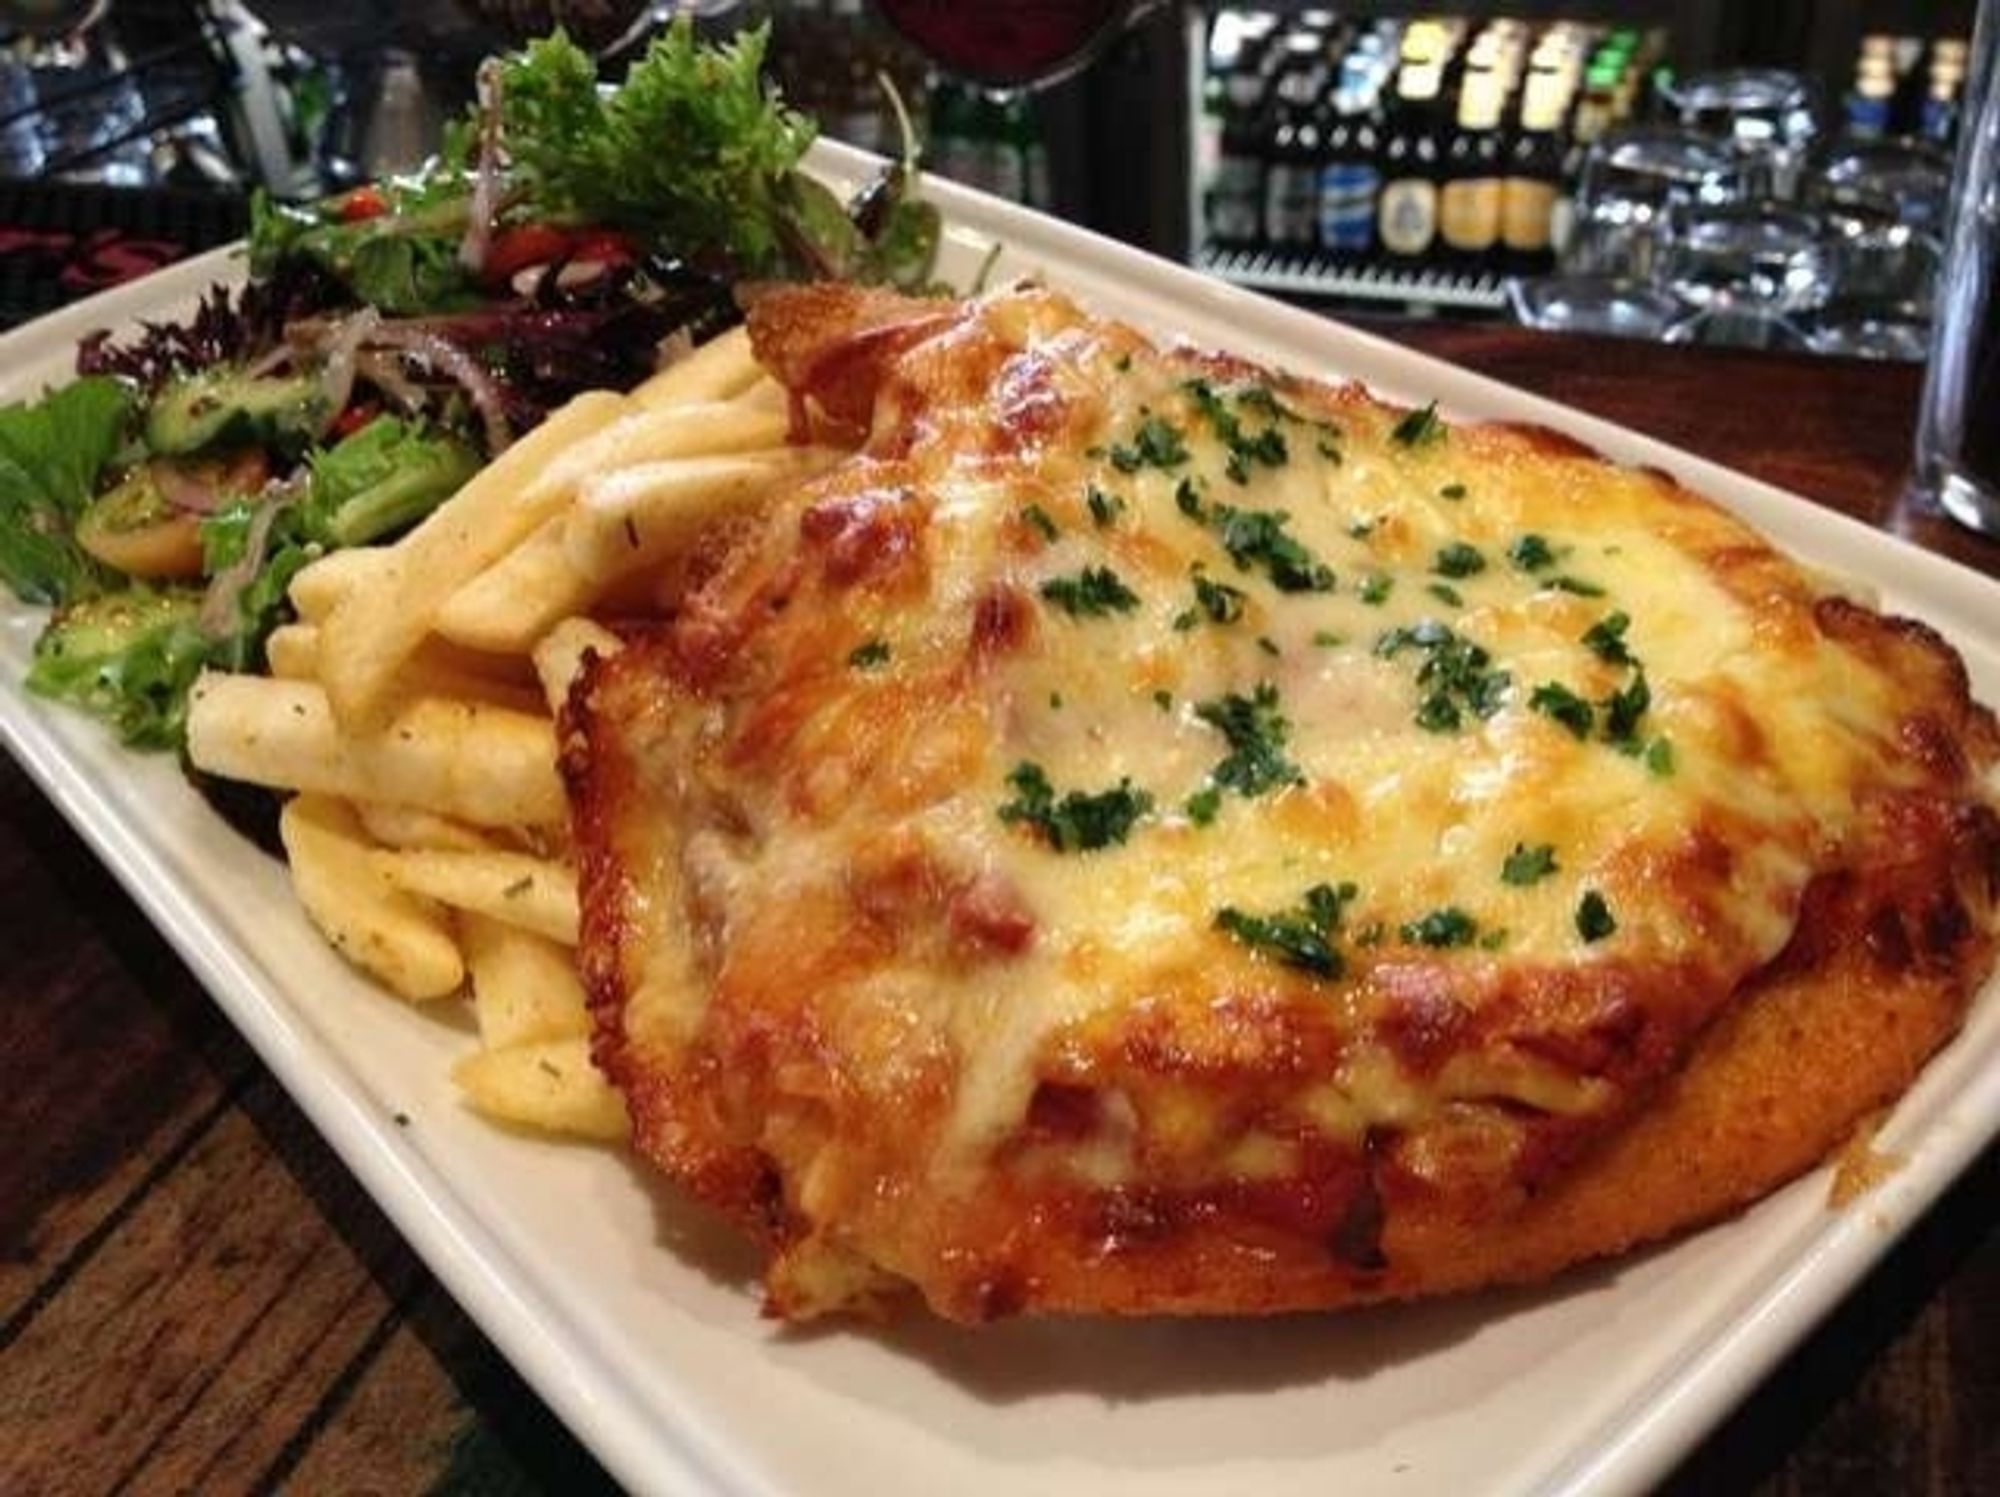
[{"x": 1020, "y": 44}]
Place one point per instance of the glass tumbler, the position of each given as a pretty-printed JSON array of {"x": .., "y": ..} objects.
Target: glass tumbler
[
  {"x": 1749, "y": 270},
  {"x": 1769, "y": 117},
  {"x": 1633, "y": 185},
  {"x": 1883, "y": 203},
  {"x": 1958, "y": 423},
  {"x": 1605, "y": 305}
]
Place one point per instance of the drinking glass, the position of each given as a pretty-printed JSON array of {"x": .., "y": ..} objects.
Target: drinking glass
[
  {"x": 1869, "y": 329},
  {"x": 1633, "y": 184},
  {"x": 1883, "y": 204},
  {"x": 1769, "y": 117},
  {"x": 1610, "y": 305},
  {"x": 1748, "y": 270},
  {"x": 1958, "y": 423}
]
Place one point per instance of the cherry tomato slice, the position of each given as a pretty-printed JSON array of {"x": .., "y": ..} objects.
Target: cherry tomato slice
[
  {"x": 603, "y": 247},
  {"x": 516, "y": 248},
  {"x": 362, "y": 204}
]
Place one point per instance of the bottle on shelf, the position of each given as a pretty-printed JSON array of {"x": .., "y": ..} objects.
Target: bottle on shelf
[
  {"x": 1002, "y": 120},
  {"x": 1292, "y": 149},
  {"x": 1591, "y": 116},
  {"x": 1407, "y": 210},
  {"x": 1469, "y": 200},
  {"x": 1870, "y": 102},
  {"x": 951, "y": 149},
  {"x": 1236, "y": 43},
  {"x": 1236, "y": 202},
  {"x": 1533, "y": 174},
  {"x": 1351, "y": 180},
  {"x": 1943, "y": 98}
]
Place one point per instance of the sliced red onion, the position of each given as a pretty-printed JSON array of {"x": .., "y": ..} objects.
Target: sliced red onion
[
  {"x": 455, "y": 364},
  {"x": 280, "y": 355},
  {"x": 336, "y": 380},
  {"x": 485, "y": 201},
  {"x": 199, "y": 487},
  {"x": 382, "y": 371},
  {"x": 218, "y": 617}
]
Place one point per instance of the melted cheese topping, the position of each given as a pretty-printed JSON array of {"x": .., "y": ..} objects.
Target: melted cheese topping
[
  {"x": 1429, "y": 643},
  {"x": 1756, "y": 727}
]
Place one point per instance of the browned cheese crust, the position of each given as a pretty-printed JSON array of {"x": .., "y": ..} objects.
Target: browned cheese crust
[{"x": 1216, "y": 1034}]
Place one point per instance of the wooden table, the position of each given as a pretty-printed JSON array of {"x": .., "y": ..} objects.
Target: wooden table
[{"x": 197, "y": 1296}]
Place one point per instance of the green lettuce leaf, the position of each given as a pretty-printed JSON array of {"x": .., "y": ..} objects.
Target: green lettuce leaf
[
  {"x": 51, "y": 452},
  {"x": 128, "y": 658}
]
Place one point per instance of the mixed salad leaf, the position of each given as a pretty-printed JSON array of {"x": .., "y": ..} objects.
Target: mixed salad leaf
[
  {"x": 51, "y": 453},
  {"x": 391, "y": 340}
]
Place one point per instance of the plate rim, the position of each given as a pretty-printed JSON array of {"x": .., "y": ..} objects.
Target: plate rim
[{"x": 650, "y": 1448}]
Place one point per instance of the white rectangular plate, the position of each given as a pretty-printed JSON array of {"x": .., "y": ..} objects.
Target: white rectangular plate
[{"x": 636, "y": 1318}]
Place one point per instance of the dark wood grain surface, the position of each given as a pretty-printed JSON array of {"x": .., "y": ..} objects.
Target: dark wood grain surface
[{"x": 196, "y": 1296}]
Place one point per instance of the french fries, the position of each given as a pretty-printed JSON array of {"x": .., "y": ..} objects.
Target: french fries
[
  {"x": 524, "y": 988},
  {"x": 718, "y": 369},
  {"x": 480, "y": 764},
  {"x": 640, "y": 516},
  {"x": 386, "y": 614},
  {"x": 411, "y": 710},
  {"x": 548, "y": 1084},
  {"x": 559, "y": 656},
  {"x": 389, "y": 933},
  {"x": 511, "y": 887}
]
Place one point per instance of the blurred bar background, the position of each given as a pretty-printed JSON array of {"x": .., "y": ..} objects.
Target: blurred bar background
[{"x": 1769, "y": 175}]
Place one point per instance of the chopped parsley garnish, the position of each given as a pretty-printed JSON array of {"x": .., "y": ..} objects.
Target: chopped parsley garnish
[
  {"x": 1452, "y": 491},
  {"x": 1531, "y": 553},
  {"x": 1093, "y": 592},
  {"x": 1185, "y": 620},
  {"x": 1457, "y": 675},
  {"x": 1569, "y": 584},
  {"x": 1039, "y": 519},
  {"x": 867, "y": 656},
  {"x": 1527, "y": 865},
  {"x": 1441, "y": 928},
  {"x": 1078, "y": 821},
  {"x": 1419, "y": 427},
  {"x": 1203, "y": 804},
  {"x": 1260, "y": 399},
  {"x": 1164, "y": 700},
  {"x": 1438, "y": 713},
  {"x": 1267, "y": 447},
  {"x": 1458, "y": 560},
  {"x": 1055, "y": 701},
  {"x": 1326, "y": 448},
  {"x": 1593, "y": 917},
  {"x": 1269, "y": 646},
  {"x": 1257, "y": 538},
  {"x": 1660, "y": 758},
  {"x": 1444, "y": 592},
  {"x": 1104, "y": 508},
  {"x": 1123, "y": 364},
  {"x": 1376, "y": 587},
  {"x": 1156, "y": 444},
  {"x": 1256, "y": 732},
  {"x": 1360, "y": 530},
  {"x": 1624, "y": 708},
  {"x": 1326, "y": 639},
  {"x": 1245, "y": 449},
  {"x": 1606, "y": 638},
  {"x": 1553, "y": 699},
  {"x": 1300, "y": 937},
  {"x": 1221, "y": 602}
]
